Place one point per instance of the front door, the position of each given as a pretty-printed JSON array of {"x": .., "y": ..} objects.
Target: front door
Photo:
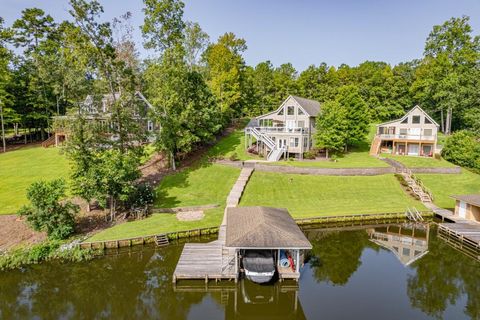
[
  {"x": 282, "y": 143},
  {"x": 462, "y": 209}
]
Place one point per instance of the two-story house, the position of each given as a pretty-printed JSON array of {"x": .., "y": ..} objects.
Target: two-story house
[
  {"x": 98, "y": 110},
  {"x": 415, "y": 134},
  {"x": 285, "y": 131}
]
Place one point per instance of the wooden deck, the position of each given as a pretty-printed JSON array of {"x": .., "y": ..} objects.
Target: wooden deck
[
  {"x": 465, "y": 231},
  {"x": 207, "y": 261}
]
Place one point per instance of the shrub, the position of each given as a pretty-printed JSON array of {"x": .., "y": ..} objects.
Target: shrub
[
  {"x": 141, "y": 196},
  {"x": 233, "y": 157},
  {"x": 46, "y": 212},
  {"x": 310, "y": 155},
  {"x": 463, "y": 149},
  {"x": 45, "y": 251}
]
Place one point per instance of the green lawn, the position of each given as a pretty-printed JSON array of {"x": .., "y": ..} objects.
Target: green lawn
[
  {"x": 310, "y": 196},
  {"x": 200, "y": 185},
  {"x": 355, "y": 159},
  {"x": 158, "y": 223},
  {"x": 420, "y": 162},
  {"x": 232, "y": 144},
  {"x": 20, "y": 168},
  {"x": 444, "y": 185}
]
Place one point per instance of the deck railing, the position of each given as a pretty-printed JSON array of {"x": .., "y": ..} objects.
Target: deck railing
[
  {"x": 282, "y": 130},
  {"x": 407, "y": 137}
]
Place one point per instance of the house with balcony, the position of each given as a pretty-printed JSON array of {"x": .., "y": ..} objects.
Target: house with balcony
[
  {"x": 415, "y": 134},
  {"x": 287, "y": 131},
  {"x": 98, "y": 110}
]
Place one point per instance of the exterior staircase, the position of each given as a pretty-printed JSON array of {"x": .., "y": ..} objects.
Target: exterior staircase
[
  {"x": 49, "y": 142},
  {"x": 375, "y": 146},
  {"x": 417, "y": 187},
  {"x": 275, "y": 153}
]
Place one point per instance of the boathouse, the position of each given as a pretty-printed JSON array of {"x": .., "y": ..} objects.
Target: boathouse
[
  {"x": 265, "y": 228},
  {"x": 246, "y": 230},
  {"x": 467, "y": 206}
]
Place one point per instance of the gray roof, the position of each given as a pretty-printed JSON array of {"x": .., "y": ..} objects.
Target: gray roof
[
  {"x": 312, "y": 107},
  {"x": 263, "y": 227},
  {"x": 473, "y": 199}
]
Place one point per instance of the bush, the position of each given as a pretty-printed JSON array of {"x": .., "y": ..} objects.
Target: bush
[
  {"x": 463, "y": 149},
  {"x": 142, "y": 196},
  {"x": 233, "y": 157},
  {"x": 46, "y": 212},
  {"x": 310, "y": 155},
  {"x": 45, "y": 251}
]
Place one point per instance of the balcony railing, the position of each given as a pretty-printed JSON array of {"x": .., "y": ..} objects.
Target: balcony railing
[
  {"x": 408, "y": 137},
  {"x": 282, "y": 130}
]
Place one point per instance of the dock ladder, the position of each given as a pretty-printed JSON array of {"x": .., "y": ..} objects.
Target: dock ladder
[{"x": 161, "y": 240}]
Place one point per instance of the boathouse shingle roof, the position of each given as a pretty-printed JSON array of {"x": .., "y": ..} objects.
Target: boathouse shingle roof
[
  {"x": 473, "y": 199},
  {"x": 263, "y": 227}
]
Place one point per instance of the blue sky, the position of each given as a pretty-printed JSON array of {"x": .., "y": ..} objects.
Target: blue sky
[{"x": 301, "y": 32}]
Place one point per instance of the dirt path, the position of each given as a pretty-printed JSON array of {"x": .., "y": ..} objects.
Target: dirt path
[{"x": 14, "y": 231}]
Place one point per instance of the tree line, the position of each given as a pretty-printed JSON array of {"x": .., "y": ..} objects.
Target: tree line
[{"x": 196, "y": 87}]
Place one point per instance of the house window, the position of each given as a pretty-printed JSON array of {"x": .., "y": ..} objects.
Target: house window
[
  {"x": 305, "y": 142},
  {"x": 427, "y": 132},
  {"x": 405, "y": 120},
  {"x": 294, "y": 142},
  {"x": 290, "y": 110},
  {"x": 381, "y": 130},
  {"x": 427, "y": 121},
  {"x": 416, "y": 119},
  {"x": 280, "y": 113},
  {"x": 403, "y": 132},
  {"x": 300, "y": 112},
  {"x": 301, "y": 124},
  {"x": 260, "y": 122},
  {"x": 150, "y": 125}
]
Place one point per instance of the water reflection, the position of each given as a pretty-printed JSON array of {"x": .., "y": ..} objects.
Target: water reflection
[
  {"x": 358, "y": 267},
  {"x": 408, "y": 242}
]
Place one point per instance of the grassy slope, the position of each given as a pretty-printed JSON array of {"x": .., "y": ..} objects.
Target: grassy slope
[
  {"x": 232, "y": 144},
  {"x": 311, "y": 196},
  {"x": 158, "y": 223},
  {"x": 420, "y": 162},
  {"x": 201, "y": 185},
  {"x": 20, "y": 168},
  {"x": 204, "y": 184},
  {"x": 444, "y": 185}
]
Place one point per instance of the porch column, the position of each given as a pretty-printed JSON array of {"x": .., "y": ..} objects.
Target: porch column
[
  {"x": 393, "y": 147},
  {"x": 406, "y": 147},
  {"x": 297, "y": 265}
]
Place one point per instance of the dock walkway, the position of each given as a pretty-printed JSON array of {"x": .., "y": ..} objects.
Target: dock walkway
[{"x": 212, "y": 260}]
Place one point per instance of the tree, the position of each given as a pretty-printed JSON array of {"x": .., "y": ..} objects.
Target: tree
[
  {"x": 331, "y": 127},
  {"x": 357, "y": 116},
  {"x": 447, "y": 78},
  {"x": 163, "y": 25},
  {"x": 225, "y": 67},
  {"x": 47, "y": 212},
  {"x": 463, "y": 149},
  {"x": 195, "y": 43}
]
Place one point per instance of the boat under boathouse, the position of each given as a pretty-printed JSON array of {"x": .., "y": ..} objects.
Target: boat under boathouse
[{"x": 257, "y": 242}]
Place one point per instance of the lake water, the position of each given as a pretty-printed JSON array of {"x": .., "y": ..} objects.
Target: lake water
[{"x": 382, "y": 272}]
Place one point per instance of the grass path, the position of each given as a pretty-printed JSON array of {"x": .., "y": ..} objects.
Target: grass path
[
  {"x": 445, "y": 185},
  {"x": 310, "y": 196},
  {"x": 20, "y": 168}
]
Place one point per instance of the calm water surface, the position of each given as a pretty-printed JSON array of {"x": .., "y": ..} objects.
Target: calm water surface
[{"x": 394, "y": 272}]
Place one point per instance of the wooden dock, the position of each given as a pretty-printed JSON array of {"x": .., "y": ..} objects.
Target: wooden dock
[
  {"x": 207, "y": 261},
  {"x": 466, "y": 232}
]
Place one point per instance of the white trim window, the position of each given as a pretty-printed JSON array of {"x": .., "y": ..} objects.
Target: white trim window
[{"x": 150, "y": 125}]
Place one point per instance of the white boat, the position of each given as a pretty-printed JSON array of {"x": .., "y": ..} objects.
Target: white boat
[{"x": 259, "y": 265}]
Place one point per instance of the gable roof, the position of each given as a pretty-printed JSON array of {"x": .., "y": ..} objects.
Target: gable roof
[
  {"x": 263, "y": 227},
  {"x": 311, "y": 107},
  {"x": 407, "y": 114},
  {"x": 473, "y": 199}
]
